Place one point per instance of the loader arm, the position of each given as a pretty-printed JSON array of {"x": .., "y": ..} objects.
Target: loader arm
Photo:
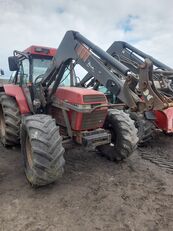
[
  {"x": 142, "y": 65},
  {"x": 133, "y": 58},
  {"x": 130, "y": 55},
  {"x": 148, "y": 69},
  {"x": 75, "y": 48}
]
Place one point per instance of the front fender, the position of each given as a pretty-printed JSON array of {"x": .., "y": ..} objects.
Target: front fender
[{"x": 16, "y": 92}]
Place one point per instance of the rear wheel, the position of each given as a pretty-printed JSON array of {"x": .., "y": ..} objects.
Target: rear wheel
[
  {"x": 42, "y": 149},
  {"x": 10, "y": 119},
  {"x": 124, "y": 136}
]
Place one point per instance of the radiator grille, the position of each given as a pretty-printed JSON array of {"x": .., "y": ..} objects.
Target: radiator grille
[
  {"x": 93, "y": 120},
  {"x": 93, "y": 98}
]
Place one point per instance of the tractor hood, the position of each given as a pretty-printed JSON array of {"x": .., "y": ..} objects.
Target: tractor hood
[{"x": 76, "y": 95}]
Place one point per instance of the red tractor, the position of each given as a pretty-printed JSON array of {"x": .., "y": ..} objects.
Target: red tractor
[{"x": 42, "y": 109}]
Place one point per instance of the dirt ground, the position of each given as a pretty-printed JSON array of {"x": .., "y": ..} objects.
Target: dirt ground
[{"x": 93, "y": 194}]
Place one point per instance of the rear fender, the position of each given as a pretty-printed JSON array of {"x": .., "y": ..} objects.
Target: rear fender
[
  {"x": 164, "y": 120},
  {"x": 16, "y": 92}
]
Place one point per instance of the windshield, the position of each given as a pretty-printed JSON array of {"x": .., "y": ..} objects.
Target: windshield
[{"x": 40, "y": 66}]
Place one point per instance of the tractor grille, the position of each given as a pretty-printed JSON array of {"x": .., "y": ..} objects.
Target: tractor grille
[
  {"x": 93, "y": 120},
  {"x": 93, "y": 98}
]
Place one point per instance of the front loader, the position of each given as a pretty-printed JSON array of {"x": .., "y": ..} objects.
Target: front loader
[
  {"x": 45, "y": 110},
  {"x": 159, "y": 83},
  {"x": 151, "y": 81}
]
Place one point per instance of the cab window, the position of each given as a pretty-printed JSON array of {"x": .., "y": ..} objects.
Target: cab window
[
  {"x": 24, "y": 71},
  {"x": 21, "y": 76},
  {"x": 40, "y": 66},
  {"x": 65, "y": 82}
]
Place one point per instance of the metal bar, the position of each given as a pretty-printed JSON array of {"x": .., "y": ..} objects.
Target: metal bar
[
  {"x": 163, "y": 72},
  {"x": 144, "y": 55},
  {"x": 65, "y": 106},
  {"x": 102, "y": 54},
  {"x": 121, "y": 48}
]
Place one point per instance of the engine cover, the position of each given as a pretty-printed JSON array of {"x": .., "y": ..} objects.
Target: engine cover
[{"x": 84, "y": 99}]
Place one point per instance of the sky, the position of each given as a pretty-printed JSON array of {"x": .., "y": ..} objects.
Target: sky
[{"x": 148, "y": 25}]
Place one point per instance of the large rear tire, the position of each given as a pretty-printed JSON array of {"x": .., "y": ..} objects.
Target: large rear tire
[
  {"x": 124, "y": 136},
  {"x": 42, "y": 149},
  {"x": 10, "y": 119}
]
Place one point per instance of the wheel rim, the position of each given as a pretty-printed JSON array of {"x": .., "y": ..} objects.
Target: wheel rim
[
  {"x": 2, "y": 123},
  {"x": 29, "y": 152}
]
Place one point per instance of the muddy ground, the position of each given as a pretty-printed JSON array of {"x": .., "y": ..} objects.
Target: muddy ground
[{"x": 94, "y": 193}]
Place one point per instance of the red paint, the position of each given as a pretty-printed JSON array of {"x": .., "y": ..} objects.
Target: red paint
[
  {"x": 31, "y": 50},
  {"x": 16, "y": 91},
  {"x": 74, "y": 95},
  {"x": 164, "y": 119}
]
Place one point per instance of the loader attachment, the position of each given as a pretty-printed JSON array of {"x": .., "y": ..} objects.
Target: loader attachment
[{"x": 133, "y": 57}]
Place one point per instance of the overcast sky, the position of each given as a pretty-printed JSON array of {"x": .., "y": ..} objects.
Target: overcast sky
[{"x": 147, "y": 24}]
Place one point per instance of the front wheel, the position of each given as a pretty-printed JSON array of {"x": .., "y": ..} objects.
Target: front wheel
[
  {"x": 42, "y": 149},
  {"x": 124, "y": 136}
]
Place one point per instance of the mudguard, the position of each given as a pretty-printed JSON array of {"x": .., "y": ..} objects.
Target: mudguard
[{"x": 17, "y": 93}]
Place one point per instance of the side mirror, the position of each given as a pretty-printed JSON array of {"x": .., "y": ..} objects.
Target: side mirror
[
  {"x": 13, "y": 63},
  {"x": 1, "y": 72}
]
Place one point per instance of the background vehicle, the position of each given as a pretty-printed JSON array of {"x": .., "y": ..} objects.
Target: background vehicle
[
  {"x": 3, "y": 78},
  {"x": 152, "y": 82},
  {"x": 44, "y": 107},
  {"x": 162, "y": 76},
  {"x": 1, "y": 72}
]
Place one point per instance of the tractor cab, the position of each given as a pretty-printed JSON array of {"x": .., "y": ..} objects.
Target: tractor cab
[
  {"x": 30, "y": 64},
  {"x": 27, "y": 69}
]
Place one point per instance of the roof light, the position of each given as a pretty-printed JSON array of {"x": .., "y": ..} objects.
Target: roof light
[{"x": 42, "y": 50}]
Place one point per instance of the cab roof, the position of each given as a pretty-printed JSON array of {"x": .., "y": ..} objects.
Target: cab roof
[{"x": 41, "y": 50}]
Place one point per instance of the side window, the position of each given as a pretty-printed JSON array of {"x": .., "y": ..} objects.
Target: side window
[
  {"x": 40, "y": 66},
  {"x": 24, "y": 71},
  {"x": 65, "y": 82},
  {"x": 80, "y": 73},
  {"x": 14, "y": 78},
  {"x": 68, "y": 80}
]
